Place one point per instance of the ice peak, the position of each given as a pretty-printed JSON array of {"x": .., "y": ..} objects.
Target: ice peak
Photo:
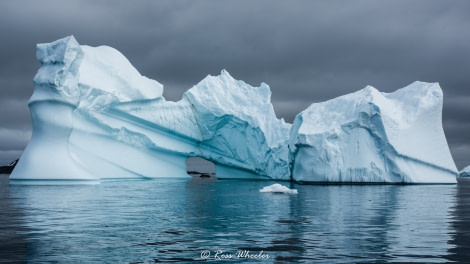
[
  {"x": 370, "y": 89},
  {"x": 225, "y": 73},
  {"x": 60, "y": 51}
]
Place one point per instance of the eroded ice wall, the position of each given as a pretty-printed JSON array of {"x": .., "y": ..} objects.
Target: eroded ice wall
[
  {"x": 374, "y": 137},
  {"x": 239, "y": 128}
]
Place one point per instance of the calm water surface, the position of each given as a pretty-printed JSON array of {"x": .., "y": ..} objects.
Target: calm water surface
[{"x": 202, "y": 220}]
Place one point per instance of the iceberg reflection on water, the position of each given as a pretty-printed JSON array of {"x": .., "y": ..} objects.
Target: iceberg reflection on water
[{"x": 168, "y": 219}]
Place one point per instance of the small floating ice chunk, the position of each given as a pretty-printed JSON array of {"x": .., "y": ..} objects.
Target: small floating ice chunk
[
  {"x": 465, "y": 172},
  {"x": 278, "y": 188}
]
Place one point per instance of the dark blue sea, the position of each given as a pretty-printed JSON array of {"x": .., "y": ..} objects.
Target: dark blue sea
[{"x": 219, "y": 221}]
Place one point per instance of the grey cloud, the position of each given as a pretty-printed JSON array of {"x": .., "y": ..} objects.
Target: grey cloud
[
  {"x": 460, "y": 154},
  {"x": 16, "y": 88},
  {"x": 14, "y": 139},
  {"x": 15, "y": 114},
  {"x": 6, "y": 157}
]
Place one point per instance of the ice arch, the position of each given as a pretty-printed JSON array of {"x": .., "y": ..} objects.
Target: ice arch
[
  {"x": 197, "y": 165},
  {"x": 95, "y": 117}
]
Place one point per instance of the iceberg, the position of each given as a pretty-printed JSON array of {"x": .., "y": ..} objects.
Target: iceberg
[
  {"x": 373, "y": 137},
  {"x": 465, "y": 172},
  {"x": 95, "y": 117},
  {"x": 239, "y": 129},
  {"x": 278, "y": 188}
]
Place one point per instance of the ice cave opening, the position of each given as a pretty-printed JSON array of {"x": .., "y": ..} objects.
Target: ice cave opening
[{"x": 197, "y": 166}]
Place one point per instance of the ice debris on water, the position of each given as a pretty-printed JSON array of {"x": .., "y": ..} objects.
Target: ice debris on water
[{"x": 278, "y": 188}]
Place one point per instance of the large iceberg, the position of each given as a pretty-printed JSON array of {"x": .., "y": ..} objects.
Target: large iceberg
[
  {"x": 373, "y": 137},
  {"x": 96, "y": 117}
]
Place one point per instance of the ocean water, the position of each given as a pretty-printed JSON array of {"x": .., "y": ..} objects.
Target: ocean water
[{"x": 208, "y": 220}]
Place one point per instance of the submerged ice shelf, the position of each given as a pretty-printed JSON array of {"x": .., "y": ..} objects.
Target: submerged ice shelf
[{"x": 95, "y": 117}]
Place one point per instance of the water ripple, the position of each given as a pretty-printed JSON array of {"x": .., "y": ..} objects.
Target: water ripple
[{"x": 177, "y": 221}]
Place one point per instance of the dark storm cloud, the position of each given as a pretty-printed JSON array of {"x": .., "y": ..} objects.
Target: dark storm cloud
[
  {"x": 15, "y": 113},
  {"x": 13, "y": 139},
  {"x": 306, "y": 51}
]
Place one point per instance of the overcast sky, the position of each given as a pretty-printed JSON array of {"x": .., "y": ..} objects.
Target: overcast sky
[{"x": 306, "y": 51}]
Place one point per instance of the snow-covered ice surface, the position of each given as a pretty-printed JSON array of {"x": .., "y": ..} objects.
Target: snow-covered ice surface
[
  {"x": 373, "y": 137},
  {"x": 465, "y": 172},
  {"x": 277, "y": 188},
  {"x": 96, "y": 117}
]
